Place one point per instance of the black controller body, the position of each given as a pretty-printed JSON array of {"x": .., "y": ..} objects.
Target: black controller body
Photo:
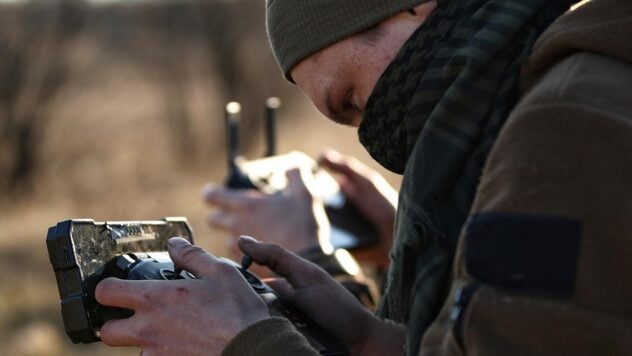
[{"x": 84, "y": 252}]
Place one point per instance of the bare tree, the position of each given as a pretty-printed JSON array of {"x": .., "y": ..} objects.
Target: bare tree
[{"x": 32, "y": 72}]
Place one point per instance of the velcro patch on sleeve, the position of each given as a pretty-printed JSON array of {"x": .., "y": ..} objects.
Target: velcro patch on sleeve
[{"x": 524, "y": 253}]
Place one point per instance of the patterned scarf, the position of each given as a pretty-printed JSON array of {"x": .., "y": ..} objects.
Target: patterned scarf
[{"x": 434, "y": 114}]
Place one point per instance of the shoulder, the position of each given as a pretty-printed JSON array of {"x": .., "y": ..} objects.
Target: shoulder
[
  {"x": 584, "y": 58},
  {"x": 574, "y": 117},
  {"x": 581, "y": 66},
  {"x": 583, "y": 81},
  {"x": 601, "y": 27}
]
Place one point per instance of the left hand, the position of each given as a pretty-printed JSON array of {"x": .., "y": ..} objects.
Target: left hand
[
  {"x": 374, "y": 198},
  {"x": 326, "y": 302},
  {"x": 183, "y": 317}
]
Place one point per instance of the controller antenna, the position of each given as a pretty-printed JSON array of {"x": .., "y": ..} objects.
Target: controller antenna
[
  {"x": 233, "y": 116},
  {"x": 236, "y": 178},
  {"x": 272, "y": 105}
]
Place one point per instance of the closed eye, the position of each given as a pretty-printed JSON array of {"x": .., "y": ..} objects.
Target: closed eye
[{"x": 340, "y": 112}]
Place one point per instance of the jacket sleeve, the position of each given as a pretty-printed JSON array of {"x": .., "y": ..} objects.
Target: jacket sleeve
[
  {"x": 538, "y": 269},
  {"x": 270, "y": 337}
]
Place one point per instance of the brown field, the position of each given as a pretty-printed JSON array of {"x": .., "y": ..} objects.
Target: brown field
[{"x": 124, "y": 110}]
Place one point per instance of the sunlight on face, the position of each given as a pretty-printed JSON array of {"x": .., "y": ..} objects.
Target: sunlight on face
[{"x": 340, "y": 78}]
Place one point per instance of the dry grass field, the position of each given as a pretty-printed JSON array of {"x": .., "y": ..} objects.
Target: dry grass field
[{"x": 125, "y": 112}]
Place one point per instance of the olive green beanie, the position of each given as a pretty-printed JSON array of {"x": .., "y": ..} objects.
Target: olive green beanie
[{"x": 298, "y": 28}]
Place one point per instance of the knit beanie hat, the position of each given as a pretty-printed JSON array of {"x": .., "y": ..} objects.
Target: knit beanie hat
[{"x": 298, "y": 28}]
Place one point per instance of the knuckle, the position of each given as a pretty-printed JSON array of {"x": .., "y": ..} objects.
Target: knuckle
[
  {"x": 276, "y": 250},
  {"x": 276, "y": 254},
  {"x": 223, "y": 268},
  {"x": 104, "y": 289}
]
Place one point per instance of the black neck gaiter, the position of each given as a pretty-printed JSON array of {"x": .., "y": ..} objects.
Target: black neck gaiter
[{"x": 434, "y": 115}]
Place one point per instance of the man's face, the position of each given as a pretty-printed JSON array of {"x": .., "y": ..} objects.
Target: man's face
[{"x": 340, "y": 78}]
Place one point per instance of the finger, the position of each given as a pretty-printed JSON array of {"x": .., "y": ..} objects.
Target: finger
[
  {"x": 295, "y": 181},
  {"x": 121, "y": 332},
  {"x": 122, "y": 293},
  {"x": 282, "y": 288},
  {"x": 192, "y": 258},
  {"x": 338, "y": 163},
  {"x": 225, "y": 197},
  {"x": 347, "y": 186},
  {"x": 297, "y": 271},
  {"x": 224, "y": 220}
]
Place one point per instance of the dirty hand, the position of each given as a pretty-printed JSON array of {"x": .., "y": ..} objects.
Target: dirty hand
[{"x": 182, "y": 317}]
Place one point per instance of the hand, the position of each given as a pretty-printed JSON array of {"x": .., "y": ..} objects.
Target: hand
[
  {"x": 371, "y": 194},
  {"x": 293, "y": 217},
  {"x": 183, "y": 317},
  {"x": 325, "y": 301}
]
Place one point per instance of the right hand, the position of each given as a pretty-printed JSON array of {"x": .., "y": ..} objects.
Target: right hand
[
  {"x": 293, "y": 217},
  {"x": 325, "y": 301},
  {"x": 371, "y": 194},
  {"x": 164, "y": 310}
]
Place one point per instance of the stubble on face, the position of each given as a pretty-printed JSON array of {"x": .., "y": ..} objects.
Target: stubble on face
[{"x": 339, "y": 79}]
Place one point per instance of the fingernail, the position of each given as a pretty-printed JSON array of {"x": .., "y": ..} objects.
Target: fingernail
[
  {"x": 177, "y": 242},
  {"x": 248, "y": 239}
]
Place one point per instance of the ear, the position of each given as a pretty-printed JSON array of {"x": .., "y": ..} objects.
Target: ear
[{"x": 422, "y": 11}]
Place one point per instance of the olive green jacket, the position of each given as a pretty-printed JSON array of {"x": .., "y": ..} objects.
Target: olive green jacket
[{"x": 543, "y": 261}]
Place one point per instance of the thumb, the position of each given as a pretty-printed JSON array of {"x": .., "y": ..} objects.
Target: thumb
[
  {"x": 192, "y": 258},
  {"x": 295, "y": 181},
  {"x": 282, "y": 288},
  {"x": 298, "y": 272}
]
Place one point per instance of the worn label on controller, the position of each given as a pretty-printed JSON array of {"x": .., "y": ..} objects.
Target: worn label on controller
[{"x": 123, "y": 234}]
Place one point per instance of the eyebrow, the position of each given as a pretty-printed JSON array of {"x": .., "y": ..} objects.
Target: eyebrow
[{"x": 335, "y": 113}]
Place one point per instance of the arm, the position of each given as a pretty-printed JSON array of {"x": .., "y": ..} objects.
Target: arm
[
  {"x": 194, "y": 317},
  {"x": 257, "y": 339},
  {"x": 549, "y": 229}
]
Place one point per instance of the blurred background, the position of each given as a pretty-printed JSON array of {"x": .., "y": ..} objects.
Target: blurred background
[{"x": 113, "y": 110}]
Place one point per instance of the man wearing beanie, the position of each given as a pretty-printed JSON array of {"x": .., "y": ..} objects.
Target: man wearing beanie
[{"x": 511, "y": 122}]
